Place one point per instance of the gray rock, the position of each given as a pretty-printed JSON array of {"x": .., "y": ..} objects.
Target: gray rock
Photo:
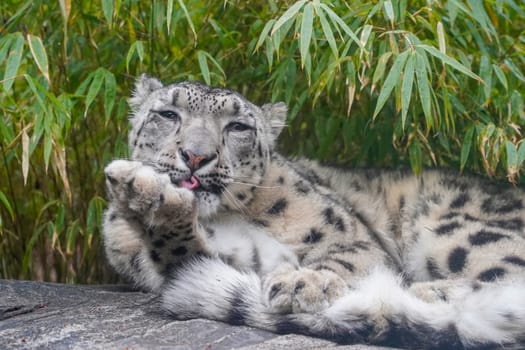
[{"x": 35, "y": 315}]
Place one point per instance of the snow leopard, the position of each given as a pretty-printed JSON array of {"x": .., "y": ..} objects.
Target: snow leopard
[{"x": 209, "y": 215}]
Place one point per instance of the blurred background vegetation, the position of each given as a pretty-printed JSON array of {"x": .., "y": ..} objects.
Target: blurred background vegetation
[{"x": 385, "y": 83}]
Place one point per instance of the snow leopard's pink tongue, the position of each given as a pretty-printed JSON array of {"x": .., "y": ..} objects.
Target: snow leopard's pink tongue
[{"x": 190, "y": 184}]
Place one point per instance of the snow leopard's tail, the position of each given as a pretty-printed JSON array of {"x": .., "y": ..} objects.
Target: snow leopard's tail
[{"x": 378, "y": 311}]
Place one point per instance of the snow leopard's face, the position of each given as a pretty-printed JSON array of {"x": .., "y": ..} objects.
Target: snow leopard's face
[{"x": 209, "y": 140}]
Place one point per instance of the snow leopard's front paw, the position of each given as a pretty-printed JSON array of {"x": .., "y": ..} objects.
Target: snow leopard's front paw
[
  {"x": 164, "y": 216},
  {"x": 290, "y": 290},
  {"x": 148, "y": 194}
]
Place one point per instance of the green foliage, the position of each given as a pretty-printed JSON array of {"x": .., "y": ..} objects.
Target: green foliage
[{"x": 368, "y": 83}]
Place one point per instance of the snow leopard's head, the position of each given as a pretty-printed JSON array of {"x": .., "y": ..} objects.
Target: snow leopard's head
[{"x": 210, "y": 140}]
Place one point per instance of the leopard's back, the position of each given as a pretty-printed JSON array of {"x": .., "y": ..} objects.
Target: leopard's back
[{"x": 445, "y": 225}]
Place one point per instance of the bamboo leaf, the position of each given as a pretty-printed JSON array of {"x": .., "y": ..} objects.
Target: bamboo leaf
[
  {"x": 501, "y": 76},
  {"x": 489, "y": 130},
  {"x": 7, "y": 205},
  {"x": 449, "y": 61},
  {"x": 485, "y": 72},
  {"x": 423, "y": 86},
  {"x": 391, "y": 81},
  {"x": 25, "y": 155},
  {"x": 480, "y": 15},
  {"x": 521, "y": 153},
  {"x": 39, "y": 54},
  {"x": 217, "y": 65},
  {"x": 13, "y": 61},
  {"x": 441, "y": 38},
  {"x": 327, "y": 31},
  {"x": 65, "y": 9},
  {"x": 48, "y": 147},
  {"x": 453, "y": 7},
  {"x": 59, "y": 221},
  {"x": 40, "y": 90},
  {"x": 389, "y": 10},
  {"x": 279, "y": 35},
  {"x": 288, "y": 15},
  {"x": 514, "y": 69},
  {"x": 140, "y": 50},
  {"x": 351, "y": 86},
  {"x": 110, "y": 93},
  {"x": 380, "y": 68},
  {"x": 372, "y": 12},
  {"x": 36, "y": 92},
  {"x": 306, "y": 32},
  {"x": 517, "y": 106},
  {"x": 512, "y": 155},
  {"x": 71, "y": 237},
  {"x": 94, "y": 88},
  {"x": 269, "y": 52},
  {"x": 308, "y": 68},
  {"x": 365, "y": 34},
  {"x": 465, "y": 147},
  {"x": 188, "y": 19},
  {"x": 81, "y": 90},
  {"x": 136, "y": 47},
  {"x": 264, "y": 34},
  {"x": 338, "y": 21},
  {"x": 401, "y": 8},
  {"x": 59, "y": 156},
  {"x": 169, "y": 14},
  {"x": 107, "y": 9},
  {"x": 5, "y": 44},
  {"x": 94, "y": 213},
  {"x": 203, "y": 65},
  {"x": 406, "y": 87}
]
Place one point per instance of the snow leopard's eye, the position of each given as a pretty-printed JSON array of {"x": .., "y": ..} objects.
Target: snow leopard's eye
[
  {"x": 238, "y": 127},
  {"x": 168, "y": 114}
]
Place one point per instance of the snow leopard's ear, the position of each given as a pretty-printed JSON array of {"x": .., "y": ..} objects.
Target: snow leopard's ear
[
  {"x": 144, "y": 86},
  {"x": 275, "y": 114}
]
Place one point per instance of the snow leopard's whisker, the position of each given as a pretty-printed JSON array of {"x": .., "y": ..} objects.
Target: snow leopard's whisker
[
  {"x": 255, "y": 185},
  {"x": 241, "y": 176},
  {"x": 240, "y": 180}
]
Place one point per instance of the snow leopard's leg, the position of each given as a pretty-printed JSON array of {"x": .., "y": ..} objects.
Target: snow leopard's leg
[
  {"x": 327, "y": 271},
  {"x": 325, "y": 275},
  {"x": 150, "y": 225}
]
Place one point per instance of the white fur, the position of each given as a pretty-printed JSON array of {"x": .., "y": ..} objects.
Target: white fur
[
  {"x": 203, "y": 285},
  {"x": 233, "y": 236},
  {"x": 496, "y": 313}
]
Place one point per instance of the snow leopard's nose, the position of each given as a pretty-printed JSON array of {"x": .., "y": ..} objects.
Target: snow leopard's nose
[{"x": 195, "y": 161}]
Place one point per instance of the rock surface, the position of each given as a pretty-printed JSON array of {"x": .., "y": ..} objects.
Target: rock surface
[{"x": 35, "y": 315}]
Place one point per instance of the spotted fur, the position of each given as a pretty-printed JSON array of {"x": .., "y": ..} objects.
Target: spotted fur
[{"x": 210, "y": 216}]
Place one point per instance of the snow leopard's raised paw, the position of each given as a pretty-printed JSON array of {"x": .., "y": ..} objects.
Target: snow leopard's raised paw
[{"x": 149, "y": 194}]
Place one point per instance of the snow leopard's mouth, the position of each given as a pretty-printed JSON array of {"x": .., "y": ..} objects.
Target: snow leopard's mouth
[
  {"x": 191, "y": 184},
  {"x": 194, "y": 184}
]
